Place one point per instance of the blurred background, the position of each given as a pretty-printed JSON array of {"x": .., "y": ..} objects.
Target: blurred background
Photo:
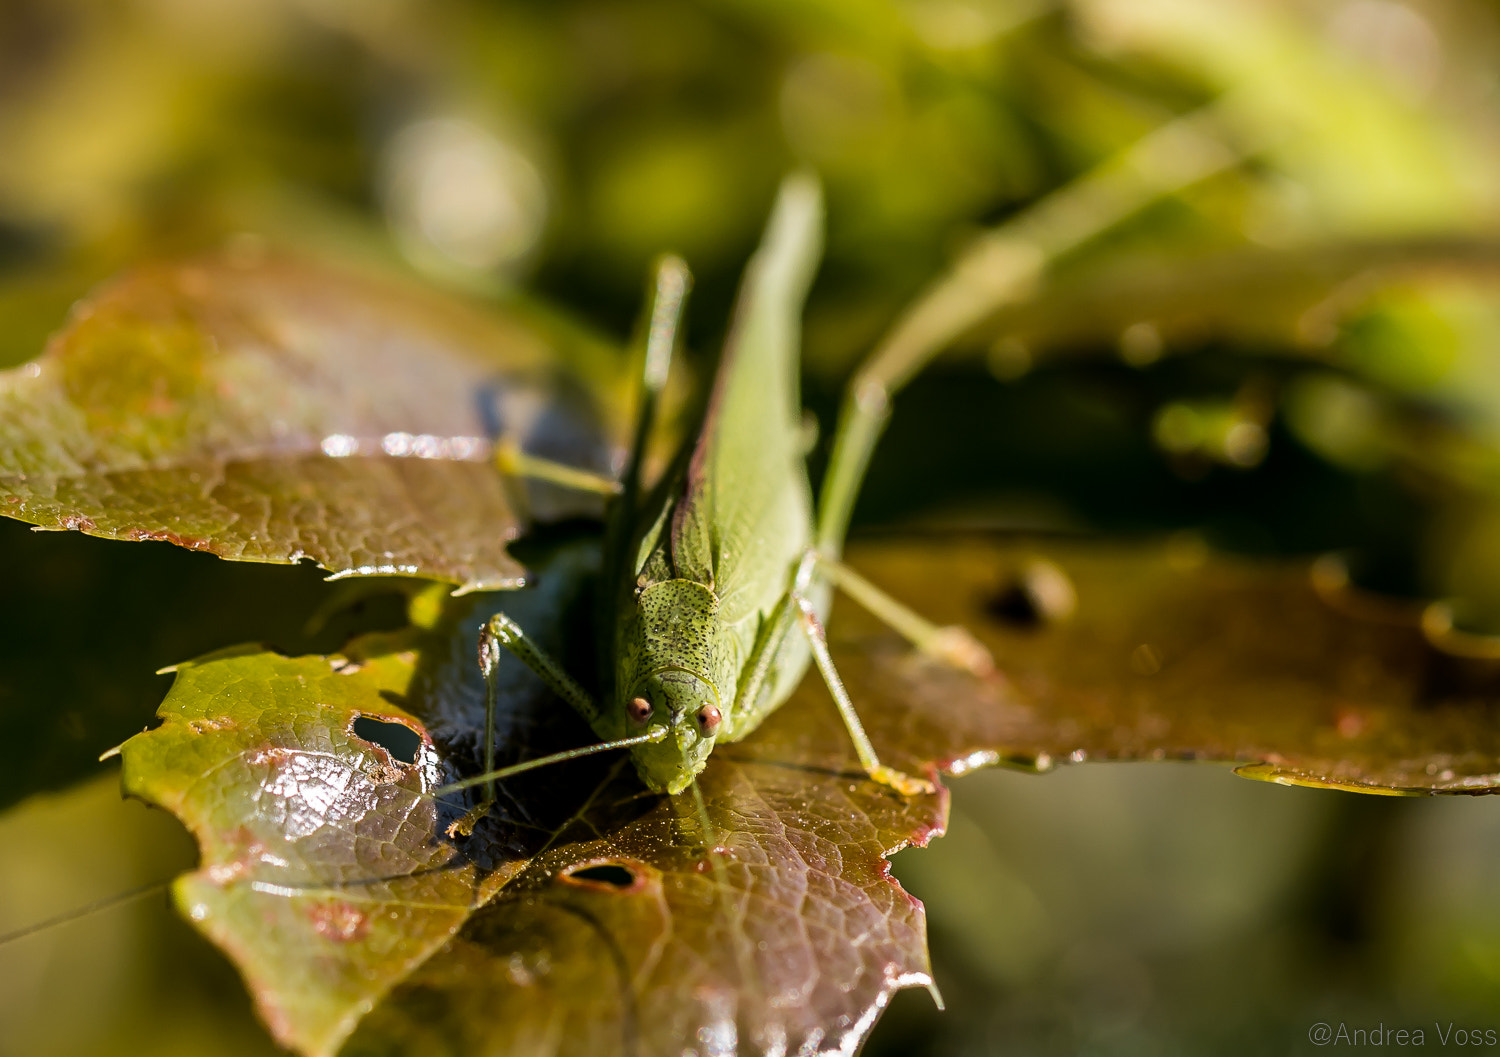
[{"x": 1295, "y": 350}]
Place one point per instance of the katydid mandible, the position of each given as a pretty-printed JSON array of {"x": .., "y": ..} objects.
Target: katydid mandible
[{"x": 717, "y": 583}]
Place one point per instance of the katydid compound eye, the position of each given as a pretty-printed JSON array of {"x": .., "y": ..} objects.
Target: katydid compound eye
[
  {"x": 639, "y": 710},
  {"x": 708, "y": 721}
]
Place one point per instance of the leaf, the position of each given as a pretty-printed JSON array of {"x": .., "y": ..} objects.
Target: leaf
[
  {"x": 329, "y": 878},
  {"x": 86, "y": 624},
  {"x": 277, "y": 411},
  {"x": 600, "y": 925},
  {"x": 307, "y": 834},
  {"x": 1172, "y": 654}
]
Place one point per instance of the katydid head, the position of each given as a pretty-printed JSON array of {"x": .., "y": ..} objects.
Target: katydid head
[
  {"x": 671, "y": 679},
  {"x": 684, "y": 705}
]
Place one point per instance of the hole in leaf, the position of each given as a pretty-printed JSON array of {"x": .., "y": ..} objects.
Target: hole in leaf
[
  {"x": 398, "y": 739},
  {"x": 610, "y": 875},
  {"x": 1012, "y": 606},
  {"x": 1039, "y": 594}
]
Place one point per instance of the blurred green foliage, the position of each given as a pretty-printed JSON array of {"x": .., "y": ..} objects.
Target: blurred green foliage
[{"x": 558, "y": 147}]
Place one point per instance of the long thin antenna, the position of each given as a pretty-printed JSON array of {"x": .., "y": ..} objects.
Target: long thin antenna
[
  {"x": 84, "y": 911},
  {"x": 656, "y": 734}
]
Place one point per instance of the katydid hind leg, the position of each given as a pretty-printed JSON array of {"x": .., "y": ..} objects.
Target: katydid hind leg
[
  {"x": 514, "y": 466},
  {"x": 1003, "y": 266},
  {"x": 889, "y": 776},
  {"x": 952, "y": 644}
]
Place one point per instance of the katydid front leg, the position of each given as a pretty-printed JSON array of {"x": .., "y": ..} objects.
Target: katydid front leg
[
  {"x": 497, "y": 634},
  {"x": 502, "y": 632},
  {"x": 818, "y": 640}
]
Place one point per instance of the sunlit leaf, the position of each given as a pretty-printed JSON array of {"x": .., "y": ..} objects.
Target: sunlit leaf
[
  {"x": 329, "y": 877},
  {"x": 76, "y": 682},
  {"x": 587, "y": 916},
  {"x": 1166, "y": 653},
  {"x": 279, "y": 411}
]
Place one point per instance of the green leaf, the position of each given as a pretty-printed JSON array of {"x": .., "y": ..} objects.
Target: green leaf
[
  {"x": 587, "y": 916},
  {"x": 311, "y": 838},
  {"x": 276, "y": 411},
  {"x": 329, "y": 877},
  {"x": 86, "y": 624}
]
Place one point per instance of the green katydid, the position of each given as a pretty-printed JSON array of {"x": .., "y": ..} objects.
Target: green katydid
[
  {"x": 721, "y": 578},
  {"x": 754, "y": 431},
  {"x": 731, "y": 556}
]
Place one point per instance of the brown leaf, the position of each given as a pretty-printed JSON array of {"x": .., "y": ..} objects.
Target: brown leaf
[
  {"x": 592, "y": 916},
  {"x": 588, "y": 916},
  {"x": 1168, "y": 653},
  {"x": 277, "y": 411}
]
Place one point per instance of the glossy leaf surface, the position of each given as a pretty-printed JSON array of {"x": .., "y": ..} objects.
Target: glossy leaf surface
[
  {"x": 603, "y": 925},
  {"x": 1156, "y": 653},
  {"x": 87, "y": 624},
  {"x": 274, "y": 411},
  {"x": 329, "y": 875}
]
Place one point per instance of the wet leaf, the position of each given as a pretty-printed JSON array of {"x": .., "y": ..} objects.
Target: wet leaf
[
  {"x": 587, "y": 916},
  {"x": 274, "y": 411},
  {"x": 606, "y": 927},
  {"x": 86, "y": 624},
  {"x": 1167, "y": 653},
  {"x": 311, "y": 838}
]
